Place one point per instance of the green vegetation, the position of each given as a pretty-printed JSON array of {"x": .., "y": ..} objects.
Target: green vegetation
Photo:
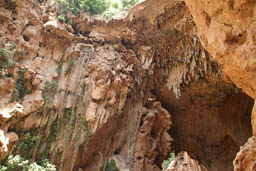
[
  {"x": 20, "y": 85},
  {"x": 20, "y": 89},
  {"x": 59, "y": 69},
  {"x": 127, "y": 4},
  {"x": 167, "y": 162},
  {"x": 93, "y": 7},
  {"x": 87, "y": 138},
  {"x": 70, "y": 65},
  {"x": 7, "y": 59},
  {"x": 71, "y": 120},
  {"x": 90, "y": 6},
  {"x": 49, "y": 91},
  {"x": 29, "y": 142},
  {"x": 111, "y": 166},
  {"x": 51, "y": 138},
  {"x": 4, "y": 61},
  {"x": 17, "y": 163},
  {"x": 7, "y": 55},
  {"x": 71, "y": 115}
]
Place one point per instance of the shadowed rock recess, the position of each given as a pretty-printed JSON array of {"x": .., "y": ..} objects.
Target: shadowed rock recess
[{"x": 121, "y": 95}]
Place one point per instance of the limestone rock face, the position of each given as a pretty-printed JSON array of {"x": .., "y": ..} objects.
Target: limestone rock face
[
  {"x": 154, "y": 125},
  {"x": 77, "y": 99},
  {"x": 87, "y": 95},
  {"x": 226, "y": 29},
  {"x": 245, "y": 159}
]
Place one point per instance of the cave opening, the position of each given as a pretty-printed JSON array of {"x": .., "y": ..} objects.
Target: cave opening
[{"x": 211, "y": 120}]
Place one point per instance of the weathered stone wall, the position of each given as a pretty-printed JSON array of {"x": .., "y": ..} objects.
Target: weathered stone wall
[
  {"x": 227, "y": 30},
  {"x": 87, "y": 94}
]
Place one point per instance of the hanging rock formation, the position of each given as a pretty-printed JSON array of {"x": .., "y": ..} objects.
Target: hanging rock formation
[{"x": 126, "y": 92}]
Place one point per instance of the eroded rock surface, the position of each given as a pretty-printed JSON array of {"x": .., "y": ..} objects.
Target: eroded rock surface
[
  {"x": 83, "y": 96},
  {"x": 95, "y": 92},
  {"x": 226, "y": 29},
  {"x": 245, "y": 159}
]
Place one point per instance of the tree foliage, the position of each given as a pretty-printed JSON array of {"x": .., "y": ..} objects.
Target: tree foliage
[
  {"x": 17, "y": 163},
  {"x": 91, "y": 6},
  {"x": 105, "y": 7},
  {"x": 127, "y": 4}
]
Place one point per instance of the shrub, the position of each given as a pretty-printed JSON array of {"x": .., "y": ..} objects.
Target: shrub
[
  {"x": 62, "y": 18},
  {"x": 49, "y": 91},
  {"x": 7, "y": 56},
  {"x": 27, "y": 143},
  {"x": 20, "y": 85},
  {"x": 17, "y": 163},
  {"x": 70, "y": 65},
  {"x": 167, "y": 162},
  {"x": 111, "y": 166},
  {"x": 20, "y": 89},
  {"x": 91, "y": 6},
  {"x": 59, "y": 69},
  {"x": 127, "y": 4},
  {"x": 105, "y": 7}
]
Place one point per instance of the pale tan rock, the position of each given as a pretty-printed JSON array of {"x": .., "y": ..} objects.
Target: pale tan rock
[
  {"x": 11, "y": 110},
  {"x": 31, "y": 35},
  {"x": 69, "y": 101},
  {"x": 245, "y": 158},
  {"x": 112, "y": 97},
  {"x": 3, "y": 145},
  {"x": 183, "y": 162},
  {"x": 44, "y": 51},
  {"x": 37, "y": 79},
  {"x": 32, "y": 102},
  {"x": 98, "y": 93},
  {"x": 253, "y": 120},
  {"x": 7, "y": 86},
  {"x": 55, "y": 27},
  {"x": 37, "y": 64},
  {"x": 91, "y": 112},
  {"x": 146, "y": 56},
  {"x": 120, "y": 163},
  {"x": 28, "y": 74},
  {"x": 28, "y": 85},
  {"x": 86, "y": 81},
  {"x": 13, "y": 139},
  {"x": 57, "y": 52},
  {"x": 226, "y": 30}
]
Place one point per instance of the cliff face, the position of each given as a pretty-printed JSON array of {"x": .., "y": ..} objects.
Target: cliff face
[
  {"x": 128, "y": 91},
  {"x": 227, "y": 30}
]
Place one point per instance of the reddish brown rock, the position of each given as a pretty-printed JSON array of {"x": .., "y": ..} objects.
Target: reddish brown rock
[
  {"x": 226, "y": 29},
  {"x": 245, "y": 159},
  {"x": 103, "y": 91}
]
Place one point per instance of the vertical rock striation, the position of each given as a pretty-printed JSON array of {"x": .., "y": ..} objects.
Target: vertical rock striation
[{"x": 94, "y": 95}]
